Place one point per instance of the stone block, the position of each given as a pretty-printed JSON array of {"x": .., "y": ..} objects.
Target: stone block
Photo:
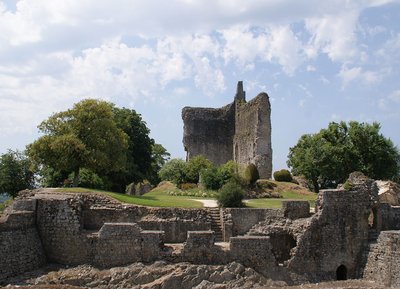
[
  {"x": 24, "y": 205},
  {"x": 112, "y": 230},
  {"x": 197, "y": 239}
]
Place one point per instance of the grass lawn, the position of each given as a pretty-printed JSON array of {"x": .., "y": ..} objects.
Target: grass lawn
[
  {"x": 277, "y": 203},
  {"x": 152, "y": 199},
  {"x": 168, "y": 195}
]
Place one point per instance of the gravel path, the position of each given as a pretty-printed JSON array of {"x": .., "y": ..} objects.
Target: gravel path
[{"x": 208, "y": 203}]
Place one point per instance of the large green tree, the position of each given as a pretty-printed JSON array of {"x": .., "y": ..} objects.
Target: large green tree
[
  {"x": 138, "y": 153},
  {"x": 329, "y": 156},
  {"x": 15, "y": 173},
  {"x": 85, "y": 136}
]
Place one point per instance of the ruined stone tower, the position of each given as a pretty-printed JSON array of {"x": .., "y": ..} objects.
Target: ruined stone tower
[{"x": 240, "y": 131}]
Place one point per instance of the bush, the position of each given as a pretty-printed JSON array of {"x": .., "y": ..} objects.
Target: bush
[
  {"x": 174, "y": 171},
  {"x": 251, "y": 174},
  {"x": 227, "y": 171},
  {"x": 87, "y": 179},
  {"x": 265, "y": 184},
  {"x": 194, "y": 167},
  {"x": 211, "y": 179},
  {"x": 283, "y": 176},
  {"x": 348, "y": 185},
  {"x": 230, "y": 195}
]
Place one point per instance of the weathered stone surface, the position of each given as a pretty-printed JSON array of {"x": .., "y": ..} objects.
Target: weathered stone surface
[
  {"x": 155, "y": 275},
  {"x": 295, "y": 209},
  {"x": 239, "y": 131},
  {"x": 389, "y": 192},
  {"x": 139, "y": 188},
  {"x": 286, "y": 245}
]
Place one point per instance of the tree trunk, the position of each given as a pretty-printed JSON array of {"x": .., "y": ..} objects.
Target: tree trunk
[{"x": 76, "y": 178}]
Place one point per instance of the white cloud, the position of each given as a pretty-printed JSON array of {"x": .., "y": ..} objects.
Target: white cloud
[
  {"x": 209, "y": 79},
  {"x": 53, "y": 53},
  {"x": 334, "y": 34},
  {"x": 274, "y": 44},
  {"x": 357, "y": 73},
  {"x": 311, "y": 68},
  {"x": 395, "y": 96}
]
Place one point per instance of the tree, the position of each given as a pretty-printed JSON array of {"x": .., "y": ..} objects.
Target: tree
[
  {"x": 328, "y": 157},
  {"x": 174, "y": 171},
  {"x": 138, "y": 153},
  {"x": 15, "y": 173},
  {"x": 194, "y": 166},
  {"x": 159, "y": 156},
  {"x": 85, "y": 136}
]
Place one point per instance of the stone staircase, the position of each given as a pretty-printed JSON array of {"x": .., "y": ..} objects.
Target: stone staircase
[{"x": 216, "y": 225}]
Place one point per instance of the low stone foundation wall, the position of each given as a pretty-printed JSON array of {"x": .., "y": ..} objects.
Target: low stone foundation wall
[
  {"x": 238, "y": 221},
  {"x": 20, "y": 246}
]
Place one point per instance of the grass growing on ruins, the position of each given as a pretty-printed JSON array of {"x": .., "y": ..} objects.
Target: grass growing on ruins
[{"x": 4, "y": 205}]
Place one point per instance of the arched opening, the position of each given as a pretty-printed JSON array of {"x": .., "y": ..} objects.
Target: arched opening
[{"x": 341, "y": 273}]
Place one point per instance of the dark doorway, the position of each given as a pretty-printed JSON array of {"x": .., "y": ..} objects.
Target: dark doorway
[{"x": 341, "y": 273}]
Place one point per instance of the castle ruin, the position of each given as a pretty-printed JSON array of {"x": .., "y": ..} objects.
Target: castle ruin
[
  {"x": 240, "y": 131},
  {"x": 350, "y": 235}
]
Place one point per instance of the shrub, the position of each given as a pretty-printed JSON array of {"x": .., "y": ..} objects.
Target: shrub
[
  {"x": 194, "y": 167},
  {"x": 230, "y": 195},
  {"x": 187, "y": 186},
  {"x": 211, "y": 179},
  {"x": 87, "y": 179},
  {"x": 227, "y": 171},
  {"x": 283, "y": 176},
  {"x": 251, "y": 174},
  {"x": 348, "y": 185},
  {"x": 265, "y": 184},
  {"x": 174, "y": 171}
]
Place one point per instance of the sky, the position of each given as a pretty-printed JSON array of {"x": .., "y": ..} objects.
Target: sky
[{"x": 319, "y": 61}]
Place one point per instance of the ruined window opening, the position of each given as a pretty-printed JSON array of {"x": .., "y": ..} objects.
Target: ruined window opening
[
  {"x": 341, "y": 273},
  {"x": 372, "y": 219},
  {"x": 282, "y": 245},
  {"x": 236, "y": 153}
]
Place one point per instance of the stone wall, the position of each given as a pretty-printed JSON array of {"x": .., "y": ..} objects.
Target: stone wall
[
  {"x": 383, "y": 263},
  {"x": 175, "y": 222},
  {"x": 252, "y": 140},
  {"x": 239, "y": 131},
  {"x": 390, "y": 217},
  {"x": 238, "y": 221},
  {"x": 287, "y": 244},
  {"x": 336, "y": 236},
  {"x": 20, "y": 246},
  {"x": 209, "y": 132}
]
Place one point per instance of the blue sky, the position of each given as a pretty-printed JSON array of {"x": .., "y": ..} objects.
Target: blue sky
[{"x": 319, "y": 61}]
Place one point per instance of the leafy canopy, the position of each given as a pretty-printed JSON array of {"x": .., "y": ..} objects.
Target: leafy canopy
[
  {"x": 85, "y": 136},
  {"x": 328, "y": 157},
  {"x": 15, "y": 173}
]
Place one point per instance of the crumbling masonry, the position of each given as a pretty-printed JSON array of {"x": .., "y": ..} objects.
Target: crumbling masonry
[
  {"x": 240, "y": 131},
  {"x": 351, "y": 235}
]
